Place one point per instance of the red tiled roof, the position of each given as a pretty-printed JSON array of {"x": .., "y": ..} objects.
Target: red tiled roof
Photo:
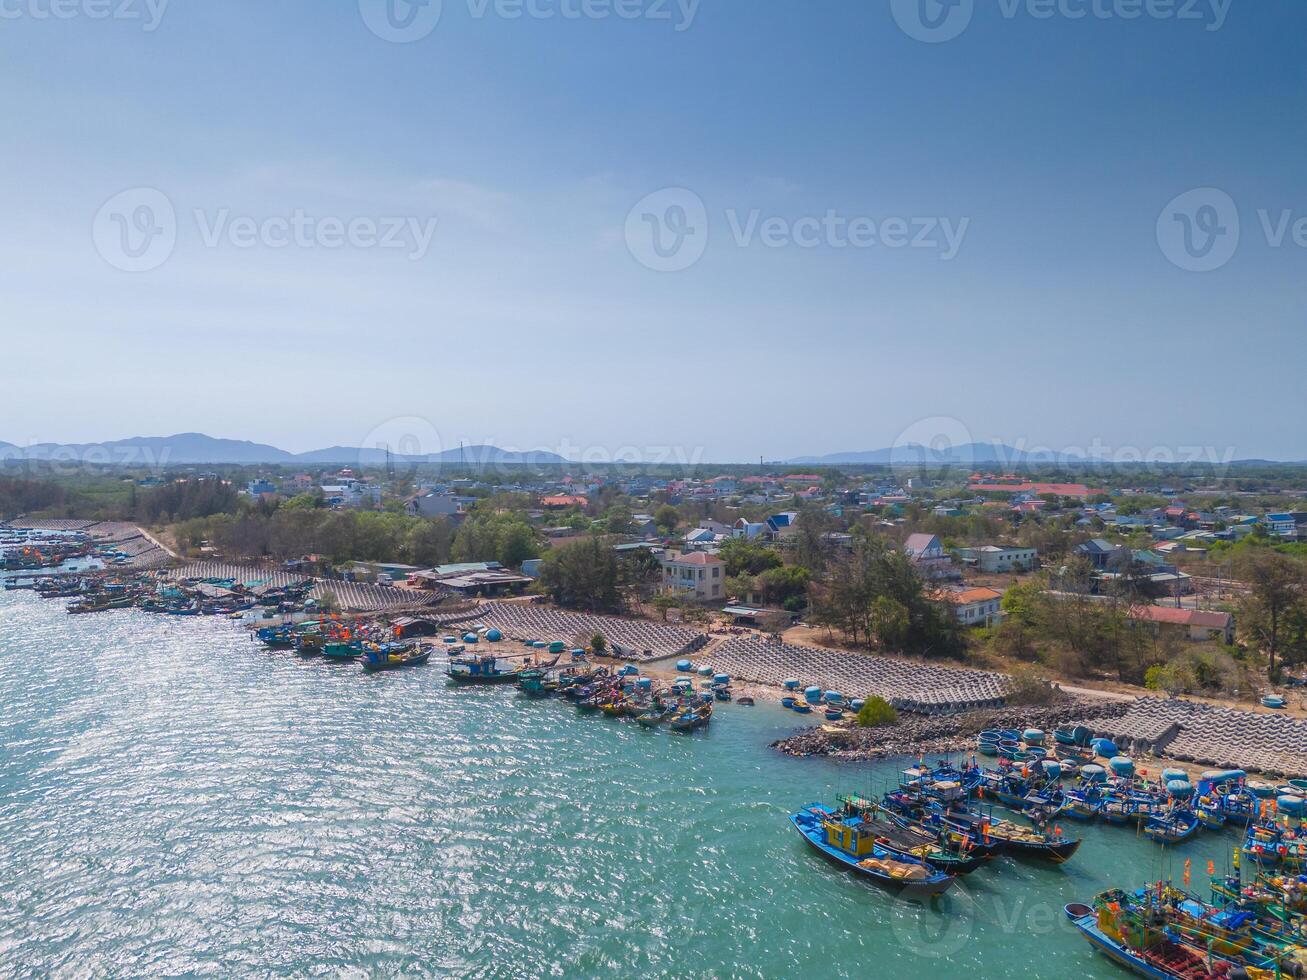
[
  {"x": 1061, "y": 489},
  {"x": 565, "y": 500},
  {"x": 1181, "y": 617}
]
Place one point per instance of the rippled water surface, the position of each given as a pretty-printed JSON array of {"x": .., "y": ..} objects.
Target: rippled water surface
[{"x": 174, "y": 800}]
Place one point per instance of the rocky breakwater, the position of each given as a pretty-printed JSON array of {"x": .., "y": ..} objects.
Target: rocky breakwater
[{"x": 936, "y": 735}]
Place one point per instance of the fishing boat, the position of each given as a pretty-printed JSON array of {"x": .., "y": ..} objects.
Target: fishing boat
[
  {"x": 1210, "y": 813},
  {"x": 392, "y": 656},
  {"x": 615, "y": 706},
  {"x": 908, "y": 814},
  {"x": 658, "y": 713},
  {"x": 342, "y": 650},
  {"x": 1276, "y": 903},
  {"x": 276, "y": 637},
  {"x": 691, "y": 718},
  {"x": 1270, "y": 844},
  {"x": 1225, "y": 930},
  {"x": 1083, "y": 802},
  {"x": 1146, "y": 948},
  {"x": 1017, "y": 839},
  {"x": 478, "y": 669},
  {"x": 309, "y": 644},
  {"x": 1172, "y": 828},
  {"x": 910, "y": 842},
  {"x": 854, "y": 847}
]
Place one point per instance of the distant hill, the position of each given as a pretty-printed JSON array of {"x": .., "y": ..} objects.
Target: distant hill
[
  {"x": 192, "y": 448},
  {"x": 967, "y": 454},
  {"x": 471, "y": 455},
  {"x": 185, "y": 447}
]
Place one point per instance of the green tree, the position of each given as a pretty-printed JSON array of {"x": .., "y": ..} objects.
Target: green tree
[
  {"x": 876, "y": 712},
  {"x": 1274, "y": 604},
  {"x": 667, "y": 517},
  {"x": 584, "y": 574}
]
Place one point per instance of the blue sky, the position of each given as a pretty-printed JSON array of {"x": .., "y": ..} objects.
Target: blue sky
[{"x": 1059, "y": 314}]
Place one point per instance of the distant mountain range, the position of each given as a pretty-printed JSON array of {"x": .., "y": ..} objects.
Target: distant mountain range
[
  {"x": 191, "y": 448},
  {"x": 195, "y": 448},
  {"x": 987, "y": 455},
  {"x": 966, "y": 454}
]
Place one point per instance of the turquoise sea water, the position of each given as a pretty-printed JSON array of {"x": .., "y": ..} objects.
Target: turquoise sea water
[{"x": 174, "y": 800}]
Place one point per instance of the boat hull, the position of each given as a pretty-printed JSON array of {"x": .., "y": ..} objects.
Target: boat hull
[{"x": 936, "y": 885}]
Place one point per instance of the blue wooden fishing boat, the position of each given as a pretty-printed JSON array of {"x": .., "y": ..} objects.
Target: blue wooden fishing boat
[
  {"x": 854, "y": 847},
  {"x": 1173, "y": 827},
  {"x": 1083, "y": 802},
  {"x": 276, "y": 637},
  {"x": 390, "y": 656},
  {"x": 477, "y": 669},
  {"x": 1268, "y": 844}
]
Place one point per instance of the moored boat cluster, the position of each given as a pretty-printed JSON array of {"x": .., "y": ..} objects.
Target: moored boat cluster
[
  {"x": 1245, "y": 929},
  {"x": 543, "y": 669},
  {"x": 917, "y": 838},
  {"x": 1082, "y": 777}
]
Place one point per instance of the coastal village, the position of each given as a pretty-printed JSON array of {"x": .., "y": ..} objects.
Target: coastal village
[
  {"x": 748, "y": 569},
  {"x": 1065, "y": 653}
]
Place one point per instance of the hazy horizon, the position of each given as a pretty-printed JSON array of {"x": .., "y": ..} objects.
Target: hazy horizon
[{"x": 747, "y": 231}]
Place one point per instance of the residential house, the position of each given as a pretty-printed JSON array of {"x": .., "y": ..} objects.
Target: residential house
[
  {"x": 702, "y": 539},
  {"x": 995, "y": 558},
  {"x": 563, "y": 501},
  {"x": 261, "y": 488},
  {"x": 434, "y": 503},
  {"x": 698, "y": 574},
  {"x": 747, "y": 530},
  {"x": 782, "y": 526},
  {"x": 928, "y": 556},
  {"x": 973, "y": 607},
  {"x": 1103, "y": 554},
  {"x": 1200, "y": 624},
  {"x": 1281, "y": 525}
]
